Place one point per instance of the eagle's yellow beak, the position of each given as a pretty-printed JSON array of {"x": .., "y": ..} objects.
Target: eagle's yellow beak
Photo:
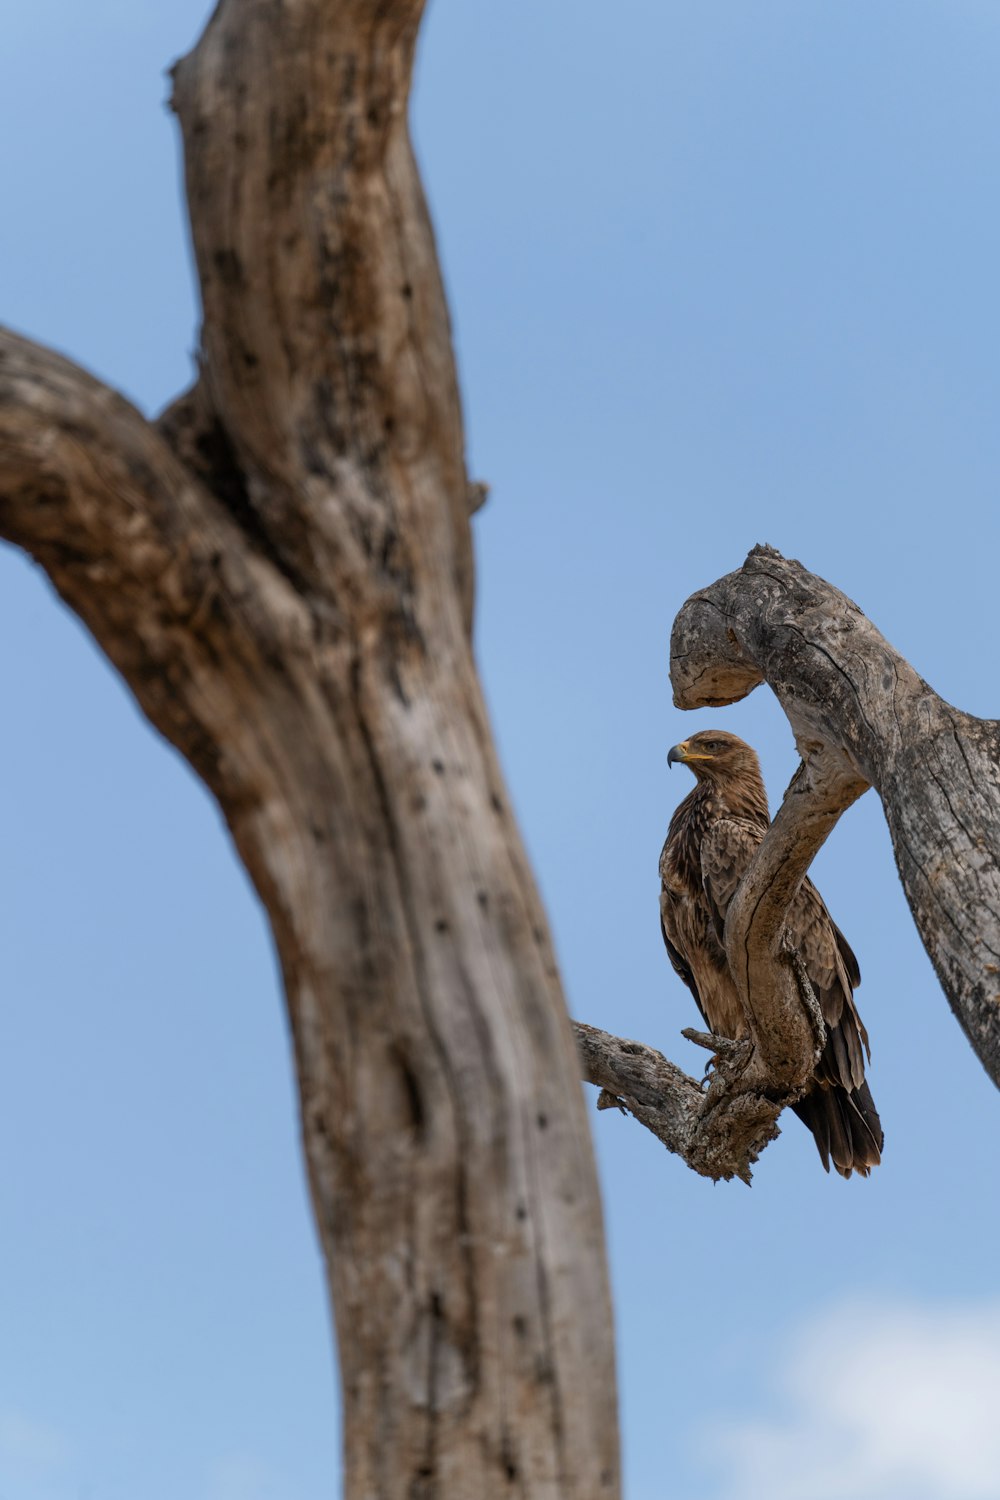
[{"x": 683, "y": 754}]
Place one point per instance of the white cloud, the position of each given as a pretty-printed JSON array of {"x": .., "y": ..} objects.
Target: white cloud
[
  {"x": 240, "y": 1476},
  {"x": 880, "y": 1402},
  {"x": 33, "y": 1458},
  {"x": 28, "y": 1443}
]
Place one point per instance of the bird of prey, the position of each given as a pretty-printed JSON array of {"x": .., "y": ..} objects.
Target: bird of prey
[{"x": 713, "y": 837}]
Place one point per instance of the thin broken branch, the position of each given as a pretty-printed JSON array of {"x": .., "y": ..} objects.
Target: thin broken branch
[{"x": 719, "y": 1129}]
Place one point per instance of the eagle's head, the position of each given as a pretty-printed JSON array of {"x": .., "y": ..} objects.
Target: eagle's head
[{"x": 715, "y": 755}]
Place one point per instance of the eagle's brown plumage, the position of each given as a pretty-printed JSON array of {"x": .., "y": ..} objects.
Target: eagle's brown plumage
[{"x": 712, "y": 839}]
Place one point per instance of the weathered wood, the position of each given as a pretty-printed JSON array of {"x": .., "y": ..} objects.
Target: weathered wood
[
  {"x": 719, "y": 1129},
  {"x": 281, "y": 568},
  {"x": 861, "y": 716}
]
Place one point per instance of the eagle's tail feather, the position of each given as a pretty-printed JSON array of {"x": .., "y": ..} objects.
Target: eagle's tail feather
[{"x": 845, "y": 1125}]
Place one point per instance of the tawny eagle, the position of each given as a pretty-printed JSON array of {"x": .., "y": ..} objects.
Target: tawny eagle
[{"x": 712, "y": 839}]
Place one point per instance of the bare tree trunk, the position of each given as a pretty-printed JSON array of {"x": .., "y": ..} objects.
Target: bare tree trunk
[{"x": 282, "y": 571}]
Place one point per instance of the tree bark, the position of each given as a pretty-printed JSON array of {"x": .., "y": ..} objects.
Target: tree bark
[{"x": 281, "y": 568}]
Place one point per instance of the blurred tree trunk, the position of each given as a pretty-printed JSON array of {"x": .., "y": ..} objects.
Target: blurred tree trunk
[{"x": 281, "y": 568}]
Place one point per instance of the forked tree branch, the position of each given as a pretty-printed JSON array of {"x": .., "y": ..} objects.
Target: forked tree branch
[
  {"x": 149, "y": 558},
  {"x": 860, "y": 712},
  {"x": 861, "y": 716}
]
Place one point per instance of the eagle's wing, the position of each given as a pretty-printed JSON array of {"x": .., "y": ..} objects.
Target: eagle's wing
[
  {"x": 696, "y": 955},
  {"x": 842, "y": 1115},
  {"x": 726, "y": 851},
  {"x": 839, "y": 1109},
  {"x": 833, "y": 972},
  {"x": 680, "y": 965}
]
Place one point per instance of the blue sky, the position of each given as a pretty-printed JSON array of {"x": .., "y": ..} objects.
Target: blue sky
[{"x": 719, "y": 274}]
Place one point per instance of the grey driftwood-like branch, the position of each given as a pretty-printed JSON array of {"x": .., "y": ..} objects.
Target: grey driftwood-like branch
[
  {"x": 861, "y": 717},
  {"x": 719, "y": 1128}
]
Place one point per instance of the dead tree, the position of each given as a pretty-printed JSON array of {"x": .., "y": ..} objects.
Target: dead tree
[{"x": 281, "y": 569}]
